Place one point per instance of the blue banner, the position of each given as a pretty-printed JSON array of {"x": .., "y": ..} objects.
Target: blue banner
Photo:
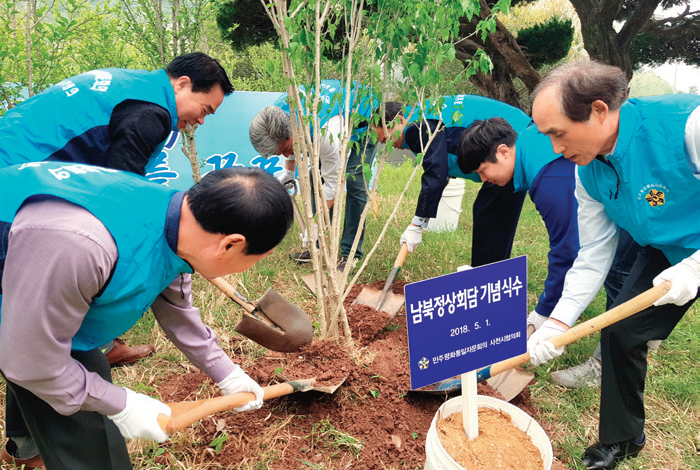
[
  {"x": 467, "y": 320},
  {"x": 222, "y": 142}
]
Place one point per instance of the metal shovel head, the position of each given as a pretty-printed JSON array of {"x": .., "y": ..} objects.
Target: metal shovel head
[
  {"x": 319, "y": 388},
  {"x": 370, "y": 297},
  {"x": 277, "y": 324}
]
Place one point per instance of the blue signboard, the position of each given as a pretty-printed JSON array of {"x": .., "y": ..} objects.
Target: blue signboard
[
  {"x": 467, "y": 320},
  {"x": 222, "y": 142}
]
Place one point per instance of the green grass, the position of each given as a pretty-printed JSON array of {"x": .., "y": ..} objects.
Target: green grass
[{"x": 571, "y": 416}]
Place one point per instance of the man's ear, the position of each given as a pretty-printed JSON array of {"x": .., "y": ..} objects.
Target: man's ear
[
  {"x": 599, "y": 111},
  {"x": 231, "y": 244},
  {"x": 503, "y": 151},
  {"x": 182, "y": 83}
]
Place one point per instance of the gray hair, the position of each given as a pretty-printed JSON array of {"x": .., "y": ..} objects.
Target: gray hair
[
  {"x": 269, "y": 129},
  {"x": 582, "y": 83}
]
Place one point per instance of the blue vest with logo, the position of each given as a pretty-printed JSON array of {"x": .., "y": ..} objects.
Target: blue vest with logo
[
  {"x": 146, "y": 264},
  {"x": 462, "y": 110},
  {"x": 646, "y": 185},
  {"x": 533, "y": 150},
  {"x": 69, "y": 121},
  {"x": 333, "y": 101}
]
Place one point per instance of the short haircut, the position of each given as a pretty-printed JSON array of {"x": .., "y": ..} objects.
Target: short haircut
[
  {"x": 203, "y": 70},
  {"x": 479, "y": 141},
  {"x": 247, "y": 201},
  {"x": 581, "y": 83},
  {"x": 392, "y": 110},
  {"x": 269, "y": 129}
]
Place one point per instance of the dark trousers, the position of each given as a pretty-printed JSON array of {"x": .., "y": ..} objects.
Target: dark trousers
[
  {"x": 624, "y": 351},
  {"x": 495, "y": 212},
  {"x": 82, "y": 441}
]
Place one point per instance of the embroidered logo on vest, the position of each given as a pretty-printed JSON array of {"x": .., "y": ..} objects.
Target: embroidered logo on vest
[{"x": 655, "y": 198}]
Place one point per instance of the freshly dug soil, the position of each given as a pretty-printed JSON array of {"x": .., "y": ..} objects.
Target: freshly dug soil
[
  {"x": 500, "y": 444},
  {"x": 373, "y": 421}
]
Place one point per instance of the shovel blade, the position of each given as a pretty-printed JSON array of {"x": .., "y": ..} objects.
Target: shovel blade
[
  {"x": 370, "y": 297},
  {"x": 277, "y": 324}
]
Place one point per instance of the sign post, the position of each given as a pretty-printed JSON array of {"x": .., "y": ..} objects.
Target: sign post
[{"x": 461, "y": 322}]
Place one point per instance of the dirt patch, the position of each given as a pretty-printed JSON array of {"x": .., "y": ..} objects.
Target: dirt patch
[
  {"x": 500, "y": 444},
  {"x": 372, "y": 421}
]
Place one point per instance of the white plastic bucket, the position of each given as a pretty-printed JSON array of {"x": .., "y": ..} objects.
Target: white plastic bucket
[
  {"x": 437, "y": 458},
  {"x": 450, "y": 207}
]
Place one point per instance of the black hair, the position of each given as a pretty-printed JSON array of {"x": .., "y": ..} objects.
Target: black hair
[
  {"x": 479, "y": 141},
  {"x": 247, "y": 201},
  {"x": 392, "y": 110},
  {"x": 203, "y": 70}
]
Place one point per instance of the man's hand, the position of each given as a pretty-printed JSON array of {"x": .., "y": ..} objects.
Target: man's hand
[
  {"x": 534, "y": 322},
  {"x": 540, "y": 348},
  {"x": 239, "y": 381},
  {"x": 412, "y": 237},
  {"x": 685, "y": 277},
  {"x": 285, "y": 177},
  {"x": 139, "y": 419}
]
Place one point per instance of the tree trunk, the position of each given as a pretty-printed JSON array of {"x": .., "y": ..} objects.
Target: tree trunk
[
  {"x": 600, "y": 39},
  {"x": 175, "y": 26},
  {"x": 31, "y": 8}
]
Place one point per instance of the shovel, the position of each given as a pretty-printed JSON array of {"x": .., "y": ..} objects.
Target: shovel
[
  {"x": 186, "y": 413},
  {"x": 385, "y": 300},
  {"x": 622, "y": 311},
  {"x": 272, "y": 322}
]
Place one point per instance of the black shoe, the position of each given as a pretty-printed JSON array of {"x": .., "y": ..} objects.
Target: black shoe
[
  {"x": 303, "y": 257},
  {"x": 606, "y": 457},
  {"x": 344, "y": 262}
]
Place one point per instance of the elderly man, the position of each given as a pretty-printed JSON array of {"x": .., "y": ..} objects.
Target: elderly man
[
  {"x": 638, "y": 169},
  {"x": 90, "y": 250},
  {"x": 271, "y": 134}
]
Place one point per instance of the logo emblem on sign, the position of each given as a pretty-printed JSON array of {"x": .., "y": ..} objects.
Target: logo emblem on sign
[
  {"x": 423, "y": 363},
  {"x": 655, "y": 198}
]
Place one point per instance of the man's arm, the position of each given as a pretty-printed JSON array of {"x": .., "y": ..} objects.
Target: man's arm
[
  {"x": 598, "y": 239},
  {"x": 136, "y": 128},
  {"x": 182, "y": 324},
  {"x": 435, "y": 166},
  {"x": 59, "y": 258}
]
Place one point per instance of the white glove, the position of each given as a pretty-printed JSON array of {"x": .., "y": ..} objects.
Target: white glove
[
  {"x": 534, "y": 322},
  {"x": 285, "y": 177},
  {"x": 238, "y": 381},
  {"x": 139, "y": 419},
  {"x": 685, "y": 277},
  {"x": 540, "y": 348},
  {"x": 412, "y": 237}
]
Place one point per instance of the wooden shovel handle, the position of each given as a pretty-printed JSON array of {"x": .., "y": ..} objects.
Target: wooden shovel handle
[
  {"x": 627, "y": 309},
  {"x": 401, "y": 256},
  {"x": 185, "y": 414},
  {"x": 230, "y": 292}
]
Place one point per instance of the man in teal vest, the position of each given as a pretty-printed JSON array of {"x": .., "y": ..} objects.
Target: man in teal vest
[
  {"x": 639, "y": 169},
  {"x": 496, "y": 209},
  {"x": 90, "y": 250},
  {"x": 271, "y": 134}
]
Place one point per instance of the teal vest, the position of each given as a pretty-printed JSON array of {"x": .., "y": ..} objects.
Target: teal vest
[
  {"x": 333, "y": 99},
  {"x": 146, "y": 264},
  {"x": 658, "y": 195},
  {"x": 533, "y": 151},
  {"x": 48, "y": 125}
]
